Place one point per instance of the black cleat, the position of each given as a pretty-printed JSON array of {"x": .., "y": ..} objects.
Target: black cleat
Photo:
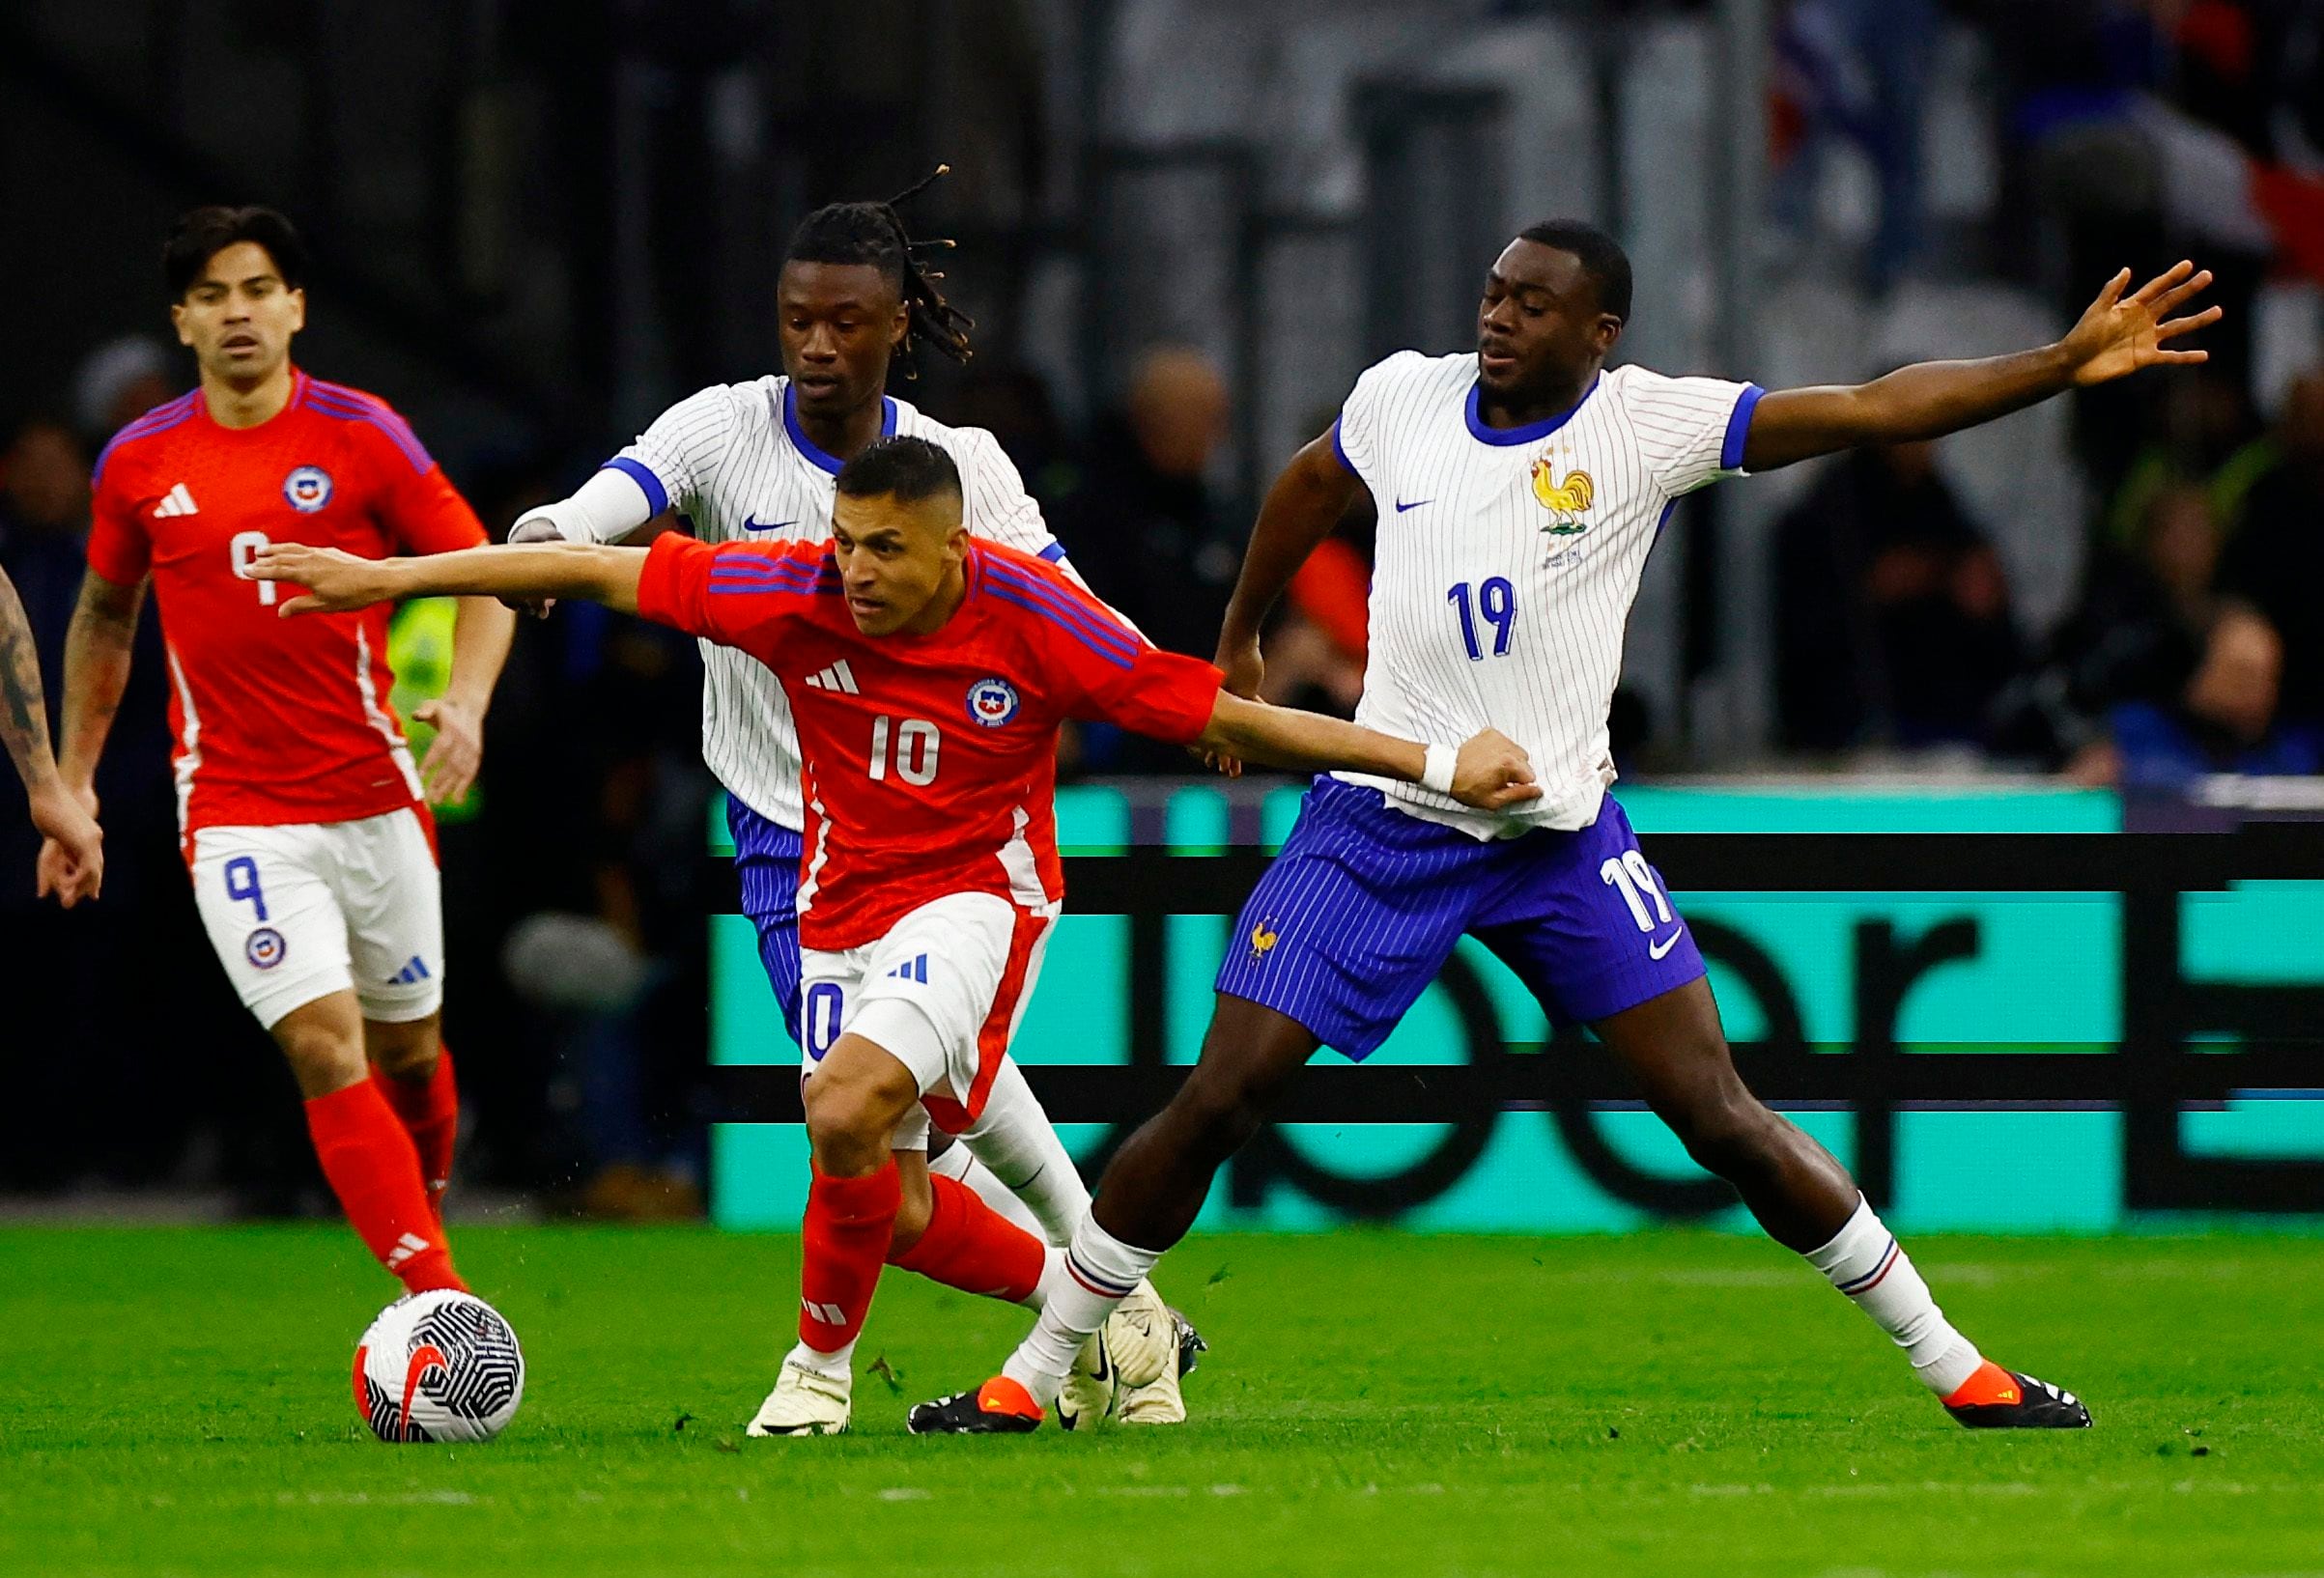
[
  {"x": 1191, "y": 1347},
  {"x": 998, "y": 1407},
  {"x": 2027, "y": 1405}
]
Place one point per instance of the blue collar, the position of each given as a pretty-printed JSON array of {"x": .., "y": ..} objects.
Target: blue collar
[
  {"x": 1532, "y": 430},
  {"x": 807, "y": 447}
]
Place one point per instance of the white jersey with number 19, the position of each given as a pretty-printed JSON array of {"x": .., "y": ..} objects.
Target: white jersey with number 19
[{"x": 1508, "y": 560}]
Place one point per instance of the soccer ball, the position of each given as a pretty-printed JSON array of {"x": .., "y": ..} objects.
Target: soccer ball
[{"x": 439, "y": 1366}]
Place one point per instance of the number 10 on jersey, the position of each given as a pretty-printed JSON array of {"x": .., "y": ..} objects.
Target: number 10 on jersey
[
  {"x": 1498, "y": 601},
  {"x": 916, "y": 745}
]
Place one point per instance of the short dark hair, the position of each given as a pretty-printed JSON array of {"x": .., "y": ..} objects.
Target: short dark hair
[
  {"x": 873, "y": 234},
  {"x": 905, "y": 469},
  {"x": 202, "y": 234},
  {"x": 1601, "y": 255}
]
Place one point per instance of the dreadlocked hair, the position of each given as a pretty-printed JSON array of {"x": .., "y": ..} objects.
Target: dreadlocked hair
[{"x": 874, "y": 233}]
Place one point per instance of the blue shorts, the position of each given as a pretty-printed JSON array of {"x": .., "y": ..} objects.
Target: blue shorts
[
  {"x": 1362, "y": 908},
  {"x": 766, "y": 861}
]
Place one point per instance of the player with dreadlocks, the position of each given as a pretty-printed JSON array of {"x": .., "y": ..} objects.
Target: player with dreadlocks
[{"x": 758, "y": 459}]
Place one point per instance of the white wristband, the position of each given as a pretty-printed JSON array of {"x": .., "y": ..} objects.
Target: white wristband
[{"x": 1437, "y": 768}]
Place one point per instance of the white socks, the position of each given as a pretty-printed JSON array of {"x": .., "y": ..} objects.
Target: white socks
[
  {"x": 1100, "y": 1272},
  {"x": 1026, "y": 1175},
  {"x": 839, "y": 1366},
  {"x": 1865, "y": 1262}
]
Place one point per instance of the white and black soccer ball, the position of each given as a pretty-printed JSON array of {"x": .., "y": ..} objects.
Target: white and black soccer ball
[{"x": 439, "y": 1366}]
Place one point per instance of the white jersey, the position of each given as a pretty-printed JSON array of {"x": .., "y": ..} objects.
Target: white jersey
[
  {"x": 734, "y": 461},
  {"x": 1508, "y": 560}
]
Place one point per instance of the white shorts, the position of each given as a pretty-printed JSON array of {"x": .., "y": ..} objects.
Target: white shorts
[
  {"x": 943, "y": 992},
  {"x": 298, "y": 912}
]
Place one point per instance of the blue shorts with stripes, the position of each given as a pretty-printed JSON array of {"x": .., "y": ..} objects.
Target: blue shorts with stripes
[
  {"x": 1362, "y": 908},
  {"x": 766, "y": 861}
]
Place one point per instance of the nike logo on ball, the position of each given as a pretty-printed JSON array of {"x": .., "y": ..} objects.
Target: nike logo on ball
[{"x": 1656, "y": 951}]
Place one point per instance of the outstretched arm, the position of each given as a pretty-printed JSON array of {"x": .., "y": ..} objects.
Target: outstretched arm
[
  {"x": 337, "y": 581},
  {"x": 1491, "y": 772},
  {"x": 1300, "y": 511},
  {"x": 2119, "y": 335}
]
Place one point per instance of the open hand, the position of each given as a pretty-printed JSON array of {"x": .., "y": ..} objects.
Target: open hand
[
  {"x": 335, "y": 582},
  {"x": 2120, "y": 334},
  {"x": 1494, "y": 772},
  {"x": 456, "y": 753},
  {"x": 71, "y": 863}
]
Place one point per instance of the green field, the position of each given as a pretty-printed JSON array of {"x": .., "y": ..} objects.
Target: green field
[{"x": 176, "y": 1401}]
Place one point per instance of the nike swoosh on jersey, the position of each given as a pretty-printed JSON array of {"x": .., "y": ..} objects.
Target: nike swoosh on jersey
[
  {"x": 749, "y": 524},
  {"x": 1656, "y": 951},
  {"x": 1401, "y": 506}
]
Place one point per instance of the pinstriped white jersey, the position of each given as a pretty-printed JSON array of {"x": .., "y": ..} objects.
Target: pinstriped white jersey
[
  {"x": 734, "y": 461},
  {"x": 1508, "y": 560}
]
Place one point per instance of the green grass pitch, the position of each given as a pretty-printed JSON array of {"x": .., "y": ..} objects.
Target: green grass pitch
[{"x": 176, "y": 1401}]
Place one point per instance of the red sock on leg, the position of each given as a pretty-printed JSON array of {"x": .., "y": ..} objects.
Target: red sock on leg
[
  {"x": 373, "y": 1168},
  {"x": 430, "y": 1112},
  {"x": 843, "y": 1246},
  {"x": 970, "y": 1245}
]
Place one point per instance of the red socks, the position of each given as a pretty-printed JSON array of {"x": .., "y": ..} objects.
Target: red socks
[
  {"x": 843, "y": 1246},
  {"x": 430, "y": 1111},
  {"x": 375, "y": 1171},
  {"x": 970, "y": 1245}
]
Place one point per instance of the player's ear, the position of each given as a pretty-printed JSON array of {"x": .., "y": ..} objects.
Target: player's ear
[
  {"x": 176, "y": 322},
  {"x": 1603, "y": 334},
  {"x": 299, "y": 307}
]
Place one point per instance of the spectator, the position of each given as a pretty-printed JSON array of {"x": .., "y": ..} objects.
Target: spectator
[
  {"x": 2137, "y": 633},
  {"x": 2275, "y": 557},
  {"x": 120, "y": 381},
  {"x": 1146, "y": 530},
  {"x": 1892, "y": 613},
  {"x": 2225, "y": 721}
]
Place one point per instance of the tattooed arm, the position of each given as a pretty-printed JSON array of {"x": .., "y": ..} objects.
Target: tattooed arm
[
  {"x": 78, "y": 867},
  {"x": 96, "y": 670}
]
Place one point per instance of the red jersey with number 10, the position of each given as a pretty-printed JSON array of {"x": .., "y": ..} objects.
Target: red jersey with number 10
[
  {"x": 930, "y": 761},
  {"x": 277, "y": 720}
]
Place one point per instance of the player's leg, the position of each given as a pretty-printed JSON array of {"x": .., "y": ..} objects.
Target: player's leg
[
  {"x": 1348, "y": 926},
  {"x": 1808, "y": 1204},
  {"x": 270, "y": 905},
  {"x": 766, "y": 871},
  {"x": 1589, "y": 927},
  {"x": 391, "y": 891}
]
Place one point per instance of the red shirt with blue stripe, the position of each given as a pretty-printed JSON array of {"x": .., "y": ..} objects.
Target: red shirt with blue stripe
[
  {"x": 929, "y": 762},
  {"x": 276, "y": 721}
]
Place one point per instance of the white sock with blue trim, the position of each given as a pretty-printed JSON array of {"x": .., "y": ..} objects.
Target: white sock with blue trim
[
  {"x": 1100, "y": 1272},
  {"x": 1865, "y": 1262}
]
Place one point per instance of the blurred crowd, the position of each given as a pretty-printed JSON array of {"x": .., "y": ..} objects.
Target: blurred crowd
[{"x": 2133, "y": 131}]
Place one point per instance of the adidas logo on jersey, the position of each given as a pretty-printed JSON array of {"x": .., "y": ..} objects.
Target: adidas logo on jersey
[
  {"x": 177, "y": 502},
  {"x": 837, "y": 677},
  {"x": 911, "y": 969}
]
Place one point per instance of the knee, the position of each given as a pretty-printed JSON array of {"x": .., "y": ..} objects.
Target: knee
[
  {"x": 1217, "y": 1111},
  {"x": 321, "y": 1060},
  {"x": 849, "y": 1123},
  {"x": 406, "y": 1054},
  {"x": 1728, "y": 1131}
]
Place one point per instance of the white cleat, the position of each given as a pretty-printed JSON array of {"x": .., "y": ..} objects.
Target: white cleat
[
  {"x": 1163, "y": 1401},
  {"x": 1141, "y": 1338},
  {"x": 804, "y": 1403},
  {"x": 1088, "y": 1395}
]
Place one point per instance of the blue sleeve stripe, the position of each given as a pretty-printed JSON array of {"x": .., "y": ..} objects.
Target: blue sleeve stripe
[
  {"x": 349, "y": 406},
  {"x": 158, "y": 420},
  {"x": 657, "y": 496},
  {"x": 1055, "y": 552},
  {"x": 1007, "y": 594},
  {"x": 1339, "y": 448},
  {"x": 1738, "y": 428},
  {"x": 1086, "y": 622}
]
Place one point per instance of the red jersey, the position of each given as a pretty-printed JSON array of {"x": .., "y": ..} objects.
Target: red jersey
[
  {"x": 276, "y": 719},
  {"x": 929, "y": 762}
]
